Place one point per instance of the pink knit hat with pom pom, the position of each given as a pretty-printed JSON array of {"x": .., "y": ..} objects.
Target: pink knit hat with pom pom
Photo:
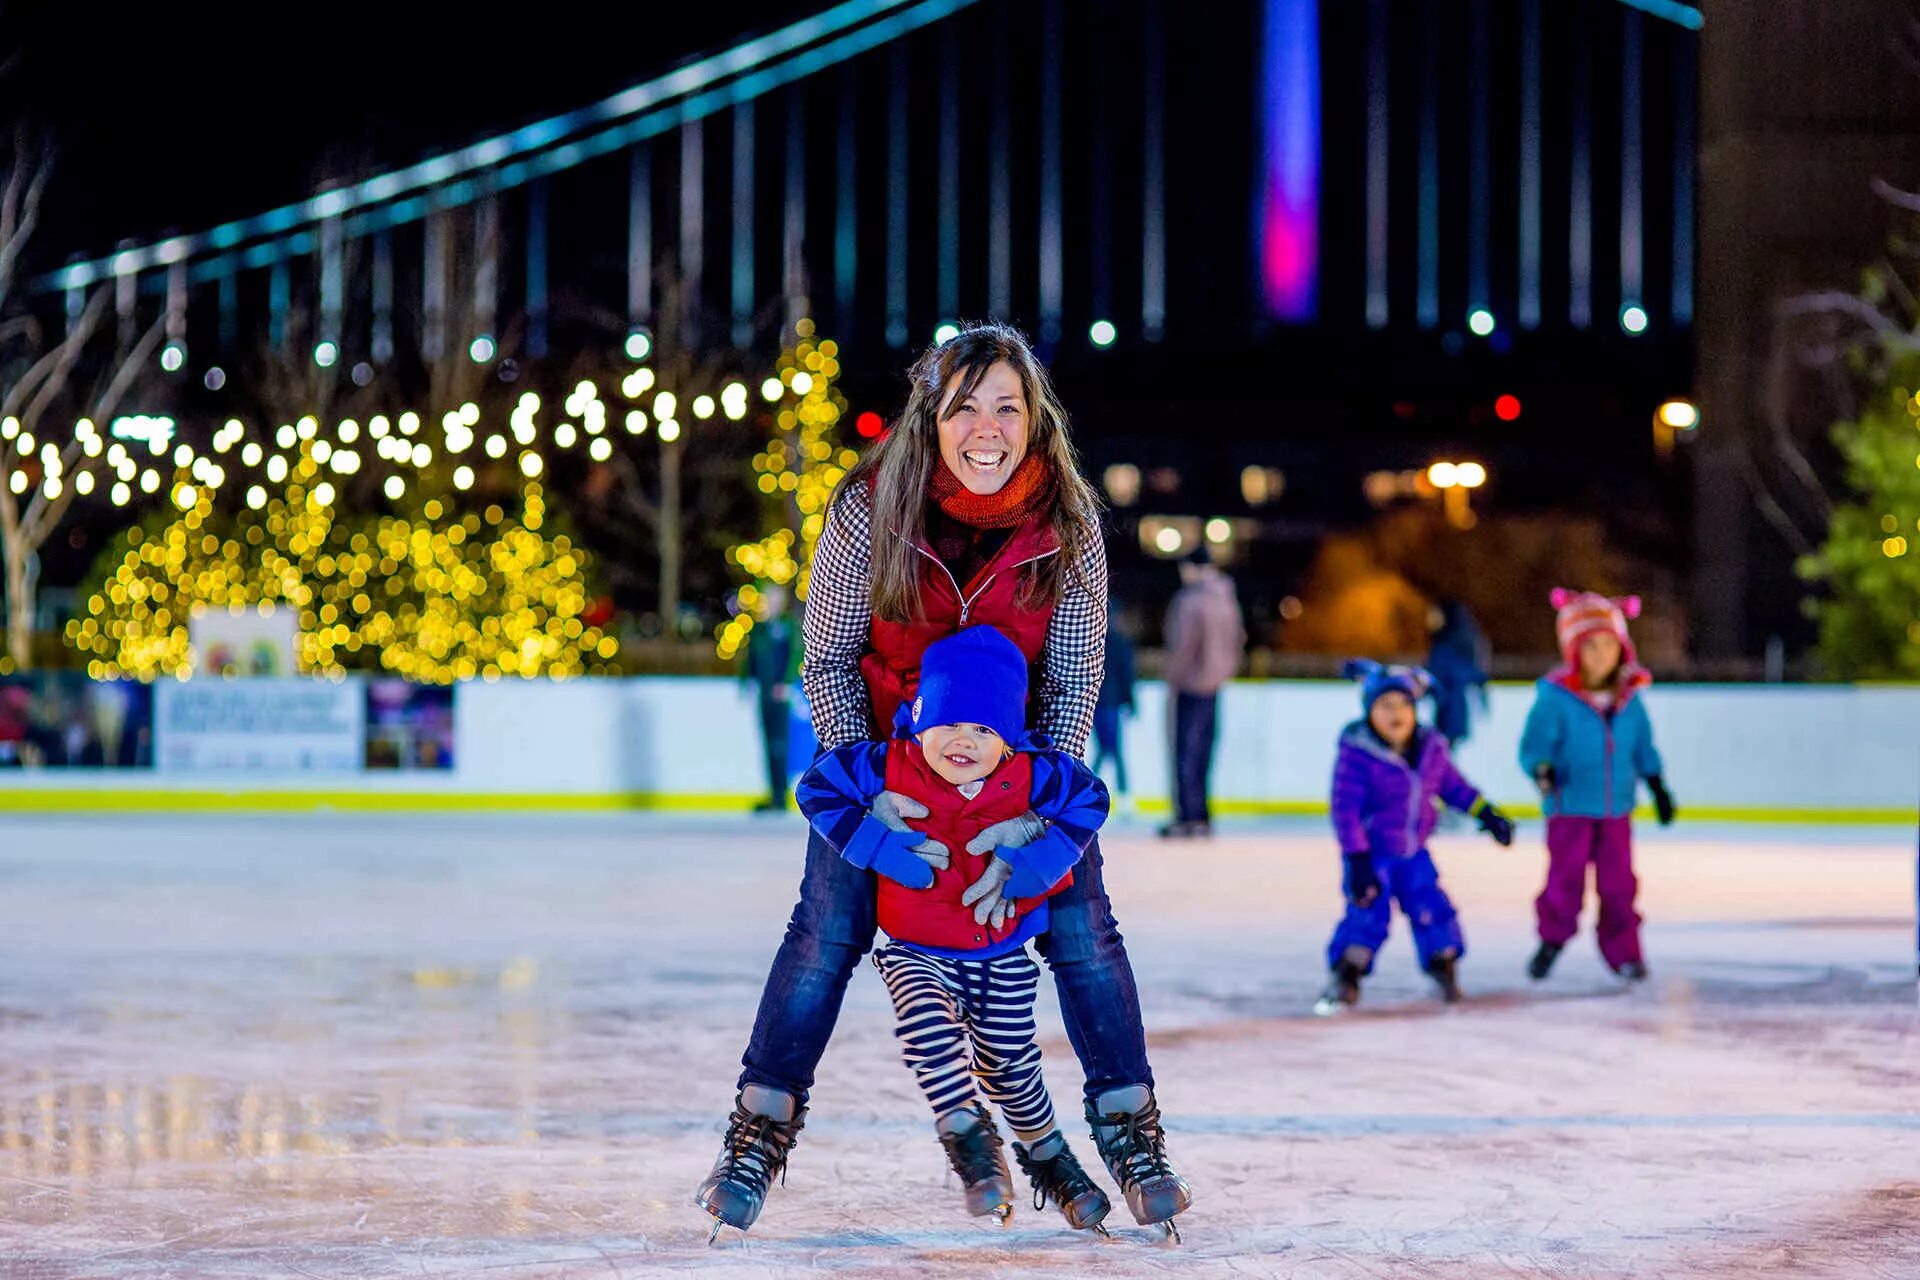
[{"x": 1584, "y": 612}]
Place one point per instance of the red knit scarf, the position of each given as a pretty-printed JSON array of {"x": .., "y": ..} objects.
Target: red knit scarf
[{"x": 1028, "y": 492}]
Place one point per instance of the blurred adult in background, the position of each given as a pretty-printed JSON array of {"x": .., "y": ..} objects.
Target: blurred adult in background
[
  {"x": 773, "y": 656},
  {"x": 1457, "y": 660},
  {"x": 1205, "y": 640},
  {"x": 1116, "y": 701}
]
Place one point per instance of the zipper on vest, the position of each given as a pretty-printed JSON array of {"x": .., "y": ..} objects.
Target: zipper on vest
[{"x": 966, "y": 601}]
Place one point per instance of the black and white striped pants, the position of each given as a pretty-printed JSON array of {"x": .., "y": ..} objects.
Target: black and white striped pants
[{"x": 958, "y": 1020}]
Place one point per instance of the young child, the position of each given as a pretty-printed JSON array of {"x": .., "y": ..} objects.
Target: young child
[
  {"x": 1587, "y": 744},
  {"x": 1389, "y": 772},
  {"x": 972, "y": 783}
]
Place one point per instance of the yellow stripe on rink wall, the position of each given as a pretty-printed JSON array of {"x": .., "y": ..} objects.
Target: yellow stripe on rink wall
[
  {"x": 161, "y": 800},
  {"x": 79, "y": 800}
]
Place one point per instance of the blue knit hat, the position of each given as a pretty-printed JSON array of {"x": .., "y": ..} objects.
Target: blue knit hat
[
  {"x": 1378, "y": 678},
  {"x": 976, "y": 676}
]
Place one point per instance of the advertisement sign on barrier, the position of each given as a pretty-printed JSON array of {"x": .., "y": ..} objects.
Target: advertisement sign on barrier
[
  {"x": 260, "y": 725},
  {"x": 409, "y": 726},
  {"x": 247, "y": 643},
  {"x": 56, "y": 719}
]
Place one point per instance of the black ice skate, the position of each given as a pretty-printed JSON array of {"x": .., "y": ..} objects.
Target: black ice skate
[
  {"x": 1058, "y": 1177},
  {"x": 1542, "y": 962},
  {"x": 975, "y": 1151},
  {"x": 762, "y": 1130},
  {"x": 1343, "y": 983},
  {"x": 1442, "y": 970},
  {"x": 1127, "y": 1133}
]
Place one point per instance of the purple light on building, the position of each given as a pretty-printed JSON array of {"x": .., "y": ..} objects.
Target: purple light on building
[{"x": 1289, "y": 200}]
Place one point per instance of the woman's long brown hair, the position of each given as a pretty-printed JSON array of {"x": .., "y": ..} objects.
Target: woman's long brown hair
[{"x": 900, "y": 469}]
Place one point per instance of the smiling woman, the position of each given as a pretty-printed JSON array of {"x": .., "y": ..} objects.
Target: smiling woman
[{"x": 970, "y": 513}]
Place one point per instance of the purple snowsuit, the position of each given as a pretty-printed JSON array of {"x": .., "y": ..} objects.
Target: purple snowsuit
[{"x": 1385, "y": 806}]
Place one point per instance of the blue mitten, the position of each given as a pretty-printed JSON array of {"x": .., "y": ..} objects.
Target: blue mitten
[
  {"x": 889, "y": 853},
  {"x": 1361, "y": 881}
]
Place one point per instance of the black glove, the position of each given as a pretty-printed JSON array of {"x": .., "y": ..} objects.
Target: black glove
[
  {"x": 1543, "y": 777},
  {"x": 1362, "y": 884},
  {"x": 1495, "y": 823},
  {"x": 1662, "y": 802}
]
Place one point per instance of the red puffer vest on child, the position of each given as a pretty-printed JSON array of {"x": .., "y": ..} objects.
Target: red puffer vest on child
[
  {"x": 935, "y": 916},
  {"x": 891, "y": 665}
]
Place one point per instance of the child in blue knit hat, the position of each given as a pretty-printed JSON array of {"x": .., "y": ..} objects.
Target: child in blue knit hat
[
  {"x": 1390, "y": 771},
  {"x": 970, "y": 822}
]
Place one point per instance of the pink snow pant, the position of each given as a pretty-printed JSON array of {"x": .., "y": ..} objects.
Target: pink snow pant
[{"x": 1607, "y": 843}]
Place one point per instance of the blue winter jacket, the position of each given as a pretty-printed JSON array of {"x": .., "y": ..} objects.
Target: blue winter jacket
[
  {"x": 1598, "y": 757},
  {"x": 1383, "y": 804}
]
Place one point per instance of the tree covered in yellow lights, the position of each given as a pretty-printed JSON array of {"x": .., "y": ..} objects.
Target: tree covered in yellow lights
[
  {"x": 796, "y": 472},
  {"x": 1870, "y": 563},
  {"x": 431, "y": 592}
]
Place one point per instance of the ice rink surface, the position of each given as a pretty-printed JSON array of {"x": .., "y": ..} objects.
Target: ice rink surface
[{"x": 504, "y": 1047}]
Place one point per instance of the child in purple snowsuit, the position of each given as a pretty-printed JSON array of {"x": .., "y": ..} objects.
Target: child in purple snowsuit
[
  {"x": 1389, "y": 772},
  {"x": 1587, "y": 744}
]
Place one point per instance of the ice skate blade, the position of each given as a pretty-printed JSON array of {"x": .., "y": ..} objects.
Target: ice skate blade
[
  {"x": 726, "y": 1210},
  {"x": 1172, "y": 1232},
  {"x": 1326, "y": 1008},
  {"x": 1003, "y": 1214}
]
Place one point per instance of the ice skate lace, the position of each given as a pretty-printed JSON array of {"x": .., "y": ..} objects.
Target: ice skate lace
[
  {"x": 972, "y": 1153},
  {"x": 1058, "y": 1178},
  {"x": 757, "y": 1148},
  {"x": 1136, "y": 1148}
]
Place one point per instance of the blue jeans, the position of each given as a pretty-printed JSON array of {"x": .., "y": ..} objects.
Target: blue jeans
[
  {"x": 1194, "y": 721},
  {"x": 1414, "y": 883},
  {"x": 833, "y": 926}
]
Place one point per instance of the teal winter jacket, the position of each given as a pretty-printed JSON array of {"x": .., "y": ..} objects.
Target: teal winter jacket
[{"x": 1598, "y": 757}]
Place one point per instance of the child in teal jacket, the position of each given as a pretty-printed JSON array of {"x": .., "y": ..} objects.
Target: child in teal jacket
[{"x": 1587, "y": 744}]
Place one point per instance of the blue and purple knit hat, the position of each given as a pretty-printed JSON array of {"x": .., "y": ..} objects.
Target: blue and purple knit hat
[{"x": 1377, "y": 678}]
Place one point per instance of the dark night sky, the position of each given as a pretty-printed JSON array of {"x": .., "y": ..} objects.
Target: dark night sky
[{"x": 181, "y": 116}]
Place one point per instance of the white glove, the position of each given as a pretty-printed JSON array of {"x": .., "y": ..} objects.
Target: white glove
[
  {"x": 985, "y": 895},
  {"x": 893, "y": 810}
]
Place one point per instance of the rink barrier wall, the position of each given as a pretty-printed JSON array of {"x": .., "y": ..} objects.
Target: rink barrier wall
[{"x": 1755, "y": 753}]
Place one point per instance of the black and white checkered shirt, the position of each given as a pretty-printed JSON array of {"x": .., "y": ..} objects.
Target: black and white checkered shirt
[{"x": 839, "y": 618}]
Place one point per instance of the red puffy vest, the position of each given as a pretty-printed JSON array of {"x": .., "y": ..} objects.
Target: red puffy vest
[
  {"x": 891, "y": 664},
  {"x": 934, "y": 916}
]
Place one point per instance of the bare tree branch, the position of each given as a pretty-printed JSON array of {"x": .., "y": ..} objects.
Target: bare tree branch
[
  {"x": 1898, "y": 283},
  {"x": 37, "y": 389},
  {"x": 1778, "y": 400},
  {"x": 1834, "y": 302},
  {"x": 44, "y": 513},
  {"x": 1775, "y": 514},
  {"x": 19, "y": 209}
]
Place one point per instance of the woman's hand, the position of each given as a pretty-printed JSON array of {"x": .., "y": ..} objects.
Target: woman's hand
[
  {"x": 1009, "y": 834},
  {"x": 986, "y": 895},
  {"x": 892, "y": 810}
]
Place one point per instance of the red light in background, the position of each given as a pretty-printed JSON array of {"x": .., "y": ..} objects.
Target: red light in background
[
  {"x": 868, "y": 424},
  {"x": 1507, "y": 408}
]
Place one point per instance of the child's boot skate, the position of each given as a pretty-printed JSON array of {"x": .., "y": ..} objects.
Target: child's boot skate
[
  {"x": 1442, "y": 970},
  {"x": 1633, "y": 972},
  {"x": 1542, "y": 963},
  {"x": 976, "y": 1154},
  {"x": 1127, "y": 1133},
  {"x": 1343, "y": 984},
  {"x": 1049, "y": 1164},
  {"x": 762, "y": 1130}
]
